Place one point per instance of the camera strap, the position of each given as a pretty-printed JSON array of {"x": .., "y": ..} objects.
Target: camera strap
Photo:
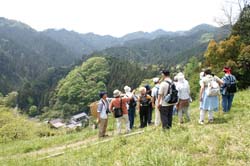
[{"x": 103, "y": 103}]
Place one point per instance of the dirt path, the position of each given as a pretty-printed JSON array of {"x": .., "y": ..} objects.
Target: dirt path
[
  {"x": 55, "y": 149},
  {"x": 59, "y": 150}
]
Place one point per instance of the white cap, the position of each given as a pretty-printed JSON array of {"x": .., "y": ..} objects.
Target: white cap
[
  {"x": 156, "y": 79},
  {"x": 127, "y": 88},
  {"x": 180, "y": 76}
]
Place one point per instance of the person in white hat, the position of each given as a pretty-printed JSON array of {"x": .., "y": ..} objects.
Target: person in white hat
[
  {"x": 155, "y": 91},
  {"x": 184, "y": 97},
  {"x": 131, "y": 105}
]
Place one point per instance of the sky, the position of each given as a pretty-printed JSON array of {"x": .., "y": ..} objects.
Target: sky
[{"x": 112, "y": 17}]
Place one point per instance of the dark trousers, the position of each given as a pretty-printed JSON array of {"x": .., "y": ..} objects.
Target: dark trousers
[
  {"x": 166, "y": 116},
  {"x": 131, "y": 116},
  {"x": 227, "y": 101},
  {"x": 144, "y": 116},
  {"x": 150, "y": 110}
]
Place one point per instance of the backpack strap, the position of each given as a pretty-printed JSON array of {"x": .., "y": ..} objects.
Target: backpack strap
[
  {"x": 169, "y": 87},
  {"x": 121, "y": 103},
  {"x": 230, "y": 79},
  {"x": 103, "y": 104}
]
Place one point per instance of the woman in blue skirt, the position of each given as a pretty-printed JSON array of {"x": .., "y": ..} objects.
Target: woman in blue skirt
[{"x": 209, "y": 102}]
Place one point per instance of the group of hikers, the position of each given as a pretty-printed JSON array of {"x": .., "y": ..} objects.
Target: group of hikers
[{"x": 166, "y": 98}]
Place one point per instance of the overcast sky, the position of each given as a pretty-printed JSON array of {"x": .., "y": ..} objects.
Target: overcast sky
[{"x": 114, "y": 17}]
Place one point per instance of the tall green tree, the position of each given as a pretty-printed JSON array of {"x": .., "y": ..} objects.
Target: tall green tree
[
  {"x": 242, "y": 26},
  {"x": 81, "y": 86}
]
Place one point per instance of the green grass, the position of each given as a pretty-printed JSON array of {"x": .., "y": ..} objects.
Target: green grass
[
  {"x": 25, "y": 146},
  {"x": 225, "y": 142}
]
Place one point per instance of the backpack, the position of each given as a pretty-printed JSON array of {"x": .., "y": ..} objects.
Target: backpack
[
  {"x": 132, "y": 103},
  {"x": 213, "y": 88},
  {"x": 231, "y": 84},
  {"x": 118, "y": 111},
  {"x": 172, "y": 95},
  {"x": 144, "y": 101}
]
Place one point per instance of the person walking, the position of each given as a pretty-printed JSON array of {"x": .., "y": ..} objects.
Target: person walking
[
  {"x": 166, "y": 109},
  {"x": 102, "y": 114},
  {"x": 228, "y": 89},
  {"x": 120, "y": 102},
  {"x": 183, "y": 97},
  {"x": 131, "y": 105},
  {"x": 144, "y": 101},
  {"x": 155, "y": 92},
  {"x": 208, "y": 103}
]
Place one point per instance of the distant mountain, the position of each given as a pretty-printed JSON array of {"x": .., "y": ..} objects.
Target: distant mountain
[
  {"x": 168, "y": 50},
  {"x": 84, "y": 44},
  {"x": 88, "y": 43},
  {"x": 81, "y": 43},
  {"x": 26, "y": 53},
  {"x": 146, "y": 35},
  {"x": 39, "y": 46},
  {"x": 202, "y": 28},
  {"x": 27, "y": 56}
]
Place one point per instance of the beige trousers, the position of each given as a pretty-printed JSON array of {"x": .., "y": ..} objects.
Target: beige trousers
[{"x": 102, "y": 127}]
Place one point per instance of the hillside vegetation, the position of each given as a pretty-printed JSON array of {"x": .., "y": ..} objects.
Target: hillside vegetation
[
  {"x": 169, "y": 50},
  {"x": 81, "y": 86},
  {"x": 225, "y": 142}
]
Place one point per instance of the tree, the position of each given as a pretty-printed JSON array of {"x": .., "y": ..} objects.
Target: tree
[
  {"x": 11, "y": 99},
  {"x": 242, "y": 26},
  {"x": 231, "y": 10},
  {"x": 33, "y": 111},
  {"x": 191, "y": 71},
  {"x": 223, "y": 54},
  {"x": 243, "y": 61},
  {"x": 81, "y": 86}
]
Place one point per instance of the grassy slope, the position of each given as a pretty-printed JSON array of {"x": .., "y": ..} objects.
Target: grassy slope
[{"x": 226, "y": 142}]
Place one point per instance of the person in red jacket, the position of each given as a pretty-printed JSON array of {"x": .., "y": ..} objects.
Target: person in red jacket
[{"x": 120, "y": 102}]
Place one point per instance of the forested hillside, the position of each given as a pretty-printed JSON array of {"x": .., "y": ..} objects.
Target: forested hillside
[
  {"x": 169, "y": 50},
  {"x": 29, "y": 53},
  {"x": 81, "y": 86},
  {"x": 25, "y": 54}
]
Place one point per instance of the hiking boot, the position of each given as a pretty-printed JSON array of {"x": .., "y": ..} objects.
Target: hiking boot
[{"x": 210, "y": 121}]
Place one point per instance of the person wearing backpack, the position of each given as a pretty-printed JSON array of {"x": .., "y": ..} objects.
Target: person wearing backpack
[
  {"x": 131, "y": 105},
  {"x": 144, "y": 101},
  {"x": 164, "y": 104},
  {"x": 209, "y": 95},
  {"x": 228, "y": 89},
  {"x": 155, "y": 92},
  {"x": 119, "y": 103},
  {"x": 102, "y": 114}
]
